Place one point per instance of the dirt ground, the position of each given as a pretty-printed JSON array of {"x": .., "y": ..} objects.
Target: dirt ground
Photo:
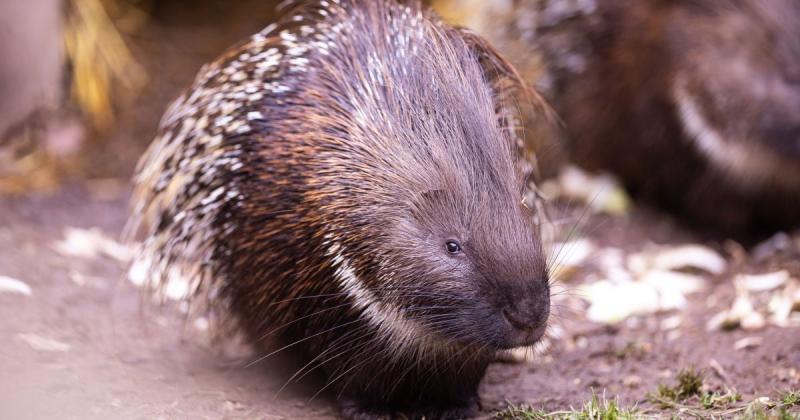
[{"x": 82, "y": 345}]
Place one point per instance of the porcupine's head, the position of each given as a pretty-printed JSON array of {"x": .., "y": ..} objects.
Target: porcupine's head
[{"x": 419, "y": 182}]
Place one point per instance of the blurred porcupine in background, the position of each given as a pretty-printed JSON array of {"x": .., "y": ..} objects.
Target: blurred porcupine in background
[{"x": 694, "y": 104}]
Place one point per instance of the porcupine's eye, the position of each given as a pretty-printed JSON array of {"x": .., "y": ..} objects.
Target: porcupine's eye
[{"x": 452, "y": 247}]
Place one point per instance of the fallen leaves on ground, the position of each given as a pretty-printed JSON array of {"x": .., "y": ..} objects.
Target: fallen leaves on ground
[
  {"x": 654, "y": 280},
  {"x": 602, "y": 193},
  {"x": 12, "y": 285},
  {"x": 761, "y": 299},
  {"x": 40, "y": 343},
  {"x": 91, "y": 243}
]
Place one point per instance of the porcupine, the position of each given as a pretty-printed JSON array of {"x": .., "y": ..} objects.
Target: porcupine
[
  {"x": 349, "y": 181},
  {"x": 695, "y": 105}
]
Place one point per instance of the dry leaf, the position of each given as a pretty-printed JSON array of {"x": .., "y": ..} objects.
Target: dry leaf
[
  {"x": 753, "y": 321},
  {"x": 612, "y": 302},
  {"x": 680, "y": 257},
  {"x": 89, "y": 243},
  {"x": 671, "y": 323},
  {"x": 742, "y": 314},
  {"x": 762, "y": 282},
  {"x": 602, "y": 193},
  {"x": 747, "y": 343},
  {"x": 673, "y": 282},
  {"x": 12, "y": 285},
  {"x": 780, "y": 307},
  {"x": 720, "y": 321},
  {"x": 646, "y": 284},
  {"x": 742, "y": 307},
  {"x": 40, "y": 343}
]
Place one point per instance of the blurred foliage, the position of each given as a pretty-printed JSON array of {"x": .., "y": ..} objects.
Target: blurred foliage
[
  {"x": 479, "y": 15},
  {"x": 38, "y": 153},
  {"x": 102, "y": 66}
]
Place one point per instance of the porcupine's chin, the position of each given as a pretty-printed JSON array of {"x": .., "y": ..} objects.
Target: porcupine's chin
[
  {"x": 488, "y": 333},
  {"x": 523, "y": 338}
]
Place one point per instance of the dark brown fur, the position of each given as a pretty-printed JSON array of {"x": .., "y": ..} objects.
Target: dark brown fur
[
  {"x": 312, "y": 196},
  {"x": 621, "y": 73}
]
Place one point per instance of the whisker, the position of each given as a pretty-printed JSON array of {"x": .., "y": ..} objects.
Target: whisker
[
  {"x": 301, "y": 341},
  {"x": 275, "y": 329},
  {"x": 336, "y": 344}
]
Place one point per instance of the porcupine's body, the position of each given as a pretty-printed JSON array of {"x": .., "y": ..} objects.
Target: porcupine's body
[{"x": 348, "y": 183}]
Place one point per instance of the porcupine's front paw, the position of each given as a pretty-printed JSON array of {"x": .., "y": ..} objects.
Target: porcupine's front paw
[{"x": 352, "y": 409}]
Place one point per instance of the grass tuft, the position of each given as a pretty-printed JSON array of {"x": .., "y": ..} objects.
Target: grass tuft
[
  {"x": 686, "y": 399},
  {"x": 521, "y": 412},
  {"x": 717, "y": 400},
  {"x": 690, "y": 384},
  {"x": 791, "y": 398},
  {"x": 594, "y": 409},
  {"x": 761, "y": 411}
]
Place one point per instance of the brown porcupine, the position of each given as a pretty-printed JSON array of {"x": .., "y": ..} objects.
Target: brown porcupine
[
  {"x": 695, "y": 104},
  {"x": 349, "y": 180}
]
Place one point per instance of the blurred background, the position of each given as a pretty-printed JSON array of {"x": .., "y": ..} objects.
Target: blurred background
[{"x": 83, "y": 97}]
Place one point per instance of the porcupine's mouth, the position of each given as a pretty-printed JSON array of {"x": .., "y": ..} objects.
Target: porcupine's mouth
[{"x": 524, "y": 338}]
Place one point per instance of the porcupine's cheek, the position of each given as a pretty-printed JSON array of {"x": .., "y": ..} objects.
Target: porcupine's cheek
[
  {"x": 456, "y": 310},
  {"x": 467, "y": 323},
  {"x": 475, "y": 325}
]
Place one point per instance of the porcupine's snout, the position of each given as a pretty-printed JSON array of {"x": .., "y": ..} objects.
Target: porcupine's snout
[{"x": 525, "y": 311}]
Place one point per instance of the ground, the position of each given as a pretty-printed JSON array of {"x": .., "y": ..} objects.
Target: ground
[{"x": 82, "y": 345}]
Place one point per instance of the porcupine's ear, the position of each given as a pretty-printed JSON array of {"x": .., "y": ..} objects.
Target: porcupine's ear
[{"x": 521, "y": 110}]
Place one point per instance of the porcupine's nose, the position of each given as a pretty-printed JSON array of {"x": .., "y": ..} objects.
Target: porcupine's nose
[{"x": 526, "y": 312}]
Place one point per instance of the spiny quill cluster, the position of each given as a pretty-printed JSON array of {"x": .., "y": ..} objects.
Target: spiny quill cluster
[{"x": 290, "y": 183}]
